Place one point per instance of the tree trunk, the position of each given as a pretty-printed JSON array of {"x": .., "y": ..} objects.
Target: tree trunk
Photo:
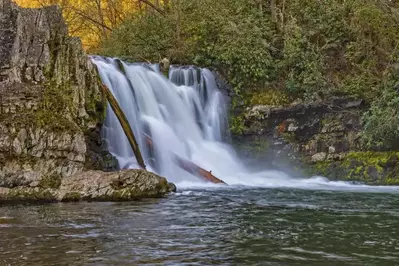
[
  {"x": 188, "y": 166},
  {"x": 101, "y": 17},
  {"x": 197, "y": 171},
  {"x": 273, "y": 10},
  {"x": 125, "y": 126}
]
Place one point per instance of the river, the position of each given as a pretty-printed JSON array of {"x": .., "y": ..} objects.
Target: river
[
  {"x": 262, "y": 218},
  {"x": 209, "y": 226}
]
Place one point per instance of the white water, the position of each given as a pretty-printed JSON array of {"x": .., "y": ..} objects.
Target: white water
[{"x": 186, "y": 116}]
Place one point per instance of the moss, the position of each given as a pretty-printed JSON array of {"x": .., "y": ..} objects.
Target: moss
[
  {"x": 31, "y": 194},
  {"x": 289, "y": 137},
  {"x": 269, "y": 97},
  {"x": 72, "y": 196},
  {"x": 392, "y": 181},
  {"x": 380, "y": 168},
  {"x": 50, "y": 181},
  {"x": 56, "y": 108},
  {"x": 322, "y": 167}
]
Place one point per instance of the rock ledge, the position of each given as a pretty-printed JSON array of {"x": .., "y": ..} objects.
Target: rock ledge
[{"x": 123, "y": 185}]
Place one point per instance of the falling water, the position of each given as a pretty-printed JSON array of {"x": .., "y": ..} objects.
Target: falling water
[{"x": 182, "y": 116}]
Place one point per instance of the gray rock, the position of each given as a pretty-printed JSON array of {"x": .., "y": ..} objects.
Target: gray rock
[
  {"x": 50, "y": 101},
  {"x": 321, "y": 156},
  {"x": 93, "y": 186},
  {"x": 114, "y": 186}
]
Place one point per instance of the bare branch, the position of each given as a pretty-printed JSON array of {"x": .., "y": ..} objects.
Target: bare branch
[
  {"x": 147, "y": 2},
  {"x": 80, "y": 13}
]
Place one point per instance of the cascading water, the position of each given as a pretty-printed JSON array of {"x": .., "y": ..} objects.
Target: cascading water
[
  {"x": 185, "y": 117},
  {"x": 182, "y": 116}
]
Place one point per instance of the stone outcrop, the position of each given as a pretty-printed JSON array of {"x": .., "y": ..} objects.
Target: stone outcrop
[
  {"x": 93, "y": 186},
  {"x": 51, "y": 107},
  {"x": 316, "y": 131},
  {"x": 321, "y": 137}
]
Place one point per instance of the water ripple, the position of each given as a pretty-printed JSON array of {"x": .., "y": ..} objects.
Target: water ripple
[{"x": 207, "y": 227}]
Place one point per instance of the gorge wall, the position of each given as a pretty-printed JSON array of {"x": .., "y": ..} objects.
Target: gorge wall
[
  {"x": 319, "y": 138},
  {"x": 51, "y": 107}
]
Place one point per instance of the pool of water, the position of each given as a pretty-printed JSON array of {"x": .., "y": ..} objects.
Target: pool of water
[{"x": 213, "y": 226}]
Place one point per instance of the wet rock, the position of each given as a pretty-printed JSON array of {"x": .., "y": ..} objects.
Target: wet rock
[
  {"x": 114, "y": 186},
  {"x": 123, "y": 185},
  {"x": 164, "y": 65},
  {"x": 320, "y": 137}
]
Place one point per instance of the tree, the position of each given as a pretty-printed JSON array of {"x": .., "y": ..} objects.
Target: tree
[{"x": 94, "y": 20}]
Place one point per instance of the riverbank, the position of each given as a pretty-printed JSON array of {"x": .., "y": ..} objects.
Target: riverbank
[{"x": 316, "y": 138}]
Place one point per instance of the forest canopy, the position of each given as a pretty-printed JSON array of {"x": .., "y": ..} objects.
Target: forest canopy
[{"x": 272, "y": 52}]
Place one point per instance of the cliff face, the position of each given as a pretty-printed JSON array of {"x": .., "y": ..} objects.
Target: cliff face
[
  {"x": 50, "y": 103},
  {"x": 321, "y": 137}
]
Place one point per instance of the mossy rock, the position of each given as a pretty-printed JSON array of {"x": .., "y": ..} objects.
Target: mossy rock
[
  {"x": 375, "y": 168},
  {"x": 52, "y": 181},
  {"x": 27, "y": 194}
]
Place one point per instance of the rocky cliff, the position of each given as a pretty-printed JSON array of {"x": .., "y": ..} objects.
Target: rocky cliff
[
  {"x": 323, "y": 138},
  {"x": 51, "y": 107}
]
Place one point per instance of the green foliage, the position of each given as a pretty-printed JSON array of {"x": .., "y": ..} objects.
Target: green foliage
[
  {"x": 310, "y": 50},
  {"x": 380, "y": 168},
  {"x": 229, "y": 35},
  {"x": 314, "y": 48},
  {"x": 381, "y": 121},
  {"x": 269, "y": 97},
  {"x": 237, "y": 125},
  {"x": 147, "y": 37}
]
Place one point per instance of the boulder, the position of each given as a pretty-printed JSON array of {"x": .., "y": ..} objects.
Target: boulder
[{"x": 123, "y": 185}]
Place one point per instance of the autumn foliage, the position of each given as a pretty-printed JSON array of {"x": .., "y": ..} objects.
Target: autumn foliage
[{"x": 93, "y": 20}]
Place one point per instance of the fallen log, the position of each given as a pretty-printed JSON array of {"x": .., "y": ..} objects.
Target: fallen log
[
  {"x": 189, "y": 166},
  {"x": 196, "y": 170},
  {"x": 125, "y": 125}
]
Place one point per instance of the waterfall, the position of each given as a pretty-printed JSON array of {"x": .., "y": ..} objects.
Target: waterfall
[{"x": 184, "y": 115}]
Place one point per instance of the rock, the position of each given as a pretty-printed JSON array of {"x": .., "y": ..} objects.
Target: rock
[
  {"x": 224, "y": 87},
  {"x": 93, "y": 186},
  {"x": 50, "y": 100},
  {"x": 27, "y": 194},
  {"x": 321, "y": 156},
  {"x": 115, "y": 186},
  {"x": 164, "y": 65},
  {"x": 331, "y": 149},
  {"x": 306, "y": 134}
]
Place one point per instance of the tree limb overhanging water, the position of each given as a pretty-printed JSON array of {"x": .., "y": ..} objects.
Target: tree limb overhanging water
[{"x": 125, "y": 125}]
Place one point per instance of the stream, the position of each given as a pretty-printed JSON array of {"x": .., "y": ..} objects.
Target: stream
[{"x": 209, "y": 226}]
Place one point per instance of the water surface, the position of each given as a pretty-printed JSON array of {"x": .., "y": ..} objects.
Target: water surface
[{"x": 234, "y": 226}]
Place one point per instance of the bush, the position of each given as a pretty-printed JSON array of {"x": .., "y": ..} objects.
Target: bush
[
  {"x": 381, "y": 121},
  {"x": 310, "y": 48}
]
